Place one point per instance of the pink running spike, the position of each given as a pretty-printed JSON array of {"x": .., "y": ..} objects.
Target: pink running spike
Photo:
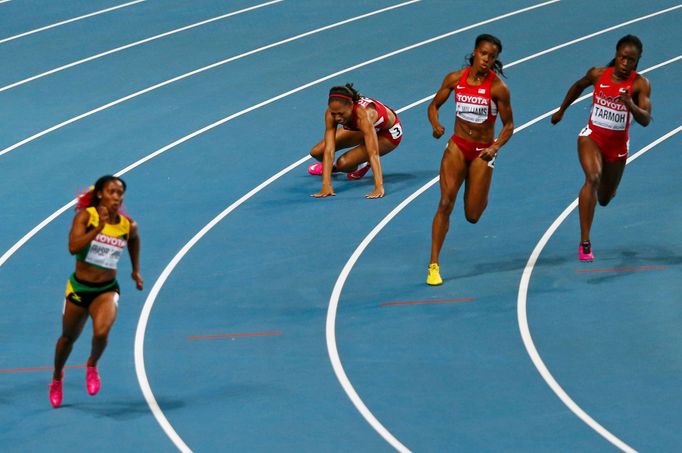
[
  {"x": 585, "y": 252},
  {"x": 315, "y": 169},
  {"x": 56, "y": 392},
  {"x": 359, "y": 172},
  {"x": 92, "y": 381}
]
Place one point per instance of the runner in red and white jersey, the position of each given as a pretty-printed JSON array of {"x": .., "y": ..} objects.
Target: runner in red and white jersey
[
  {"x": 385, "y": 117},
  {"x": 609, "y": 121},
  {"x": 480, "y": 95},
  {"x": 619, "y": 95},
  {"x": 368, "y": 126}
]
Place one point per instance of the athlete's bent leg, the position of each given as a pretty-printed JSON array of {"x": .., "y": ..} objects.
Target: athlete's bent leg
[
  {"x": 73, "y": 321},
  {"x": 591, "y": 162},
  {"x": 317, "y": 151},
  {"x": 103, "y": 312},
  {"x": 610, "y": 179},
  {"x": 351, "y": 159},
  {"x": 476, "y": 189},
  {"x": 344, "y": 139}
]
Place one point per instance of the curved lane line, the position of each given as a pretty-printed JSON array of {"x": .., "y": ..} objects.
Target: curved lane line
[
  {"x": 68, "y": 21},
  {"x": 149, "y": 302},
  {"x": 195, "y": 72},
  {"x": 41, "y": 225},
  {"x": 132, "y": 44},
  {"x": 523, "y": 317},
  {"x": 334, "y": 304},
  {"x": 336, "y": 294},
  {"x": 331, "y": 315},
  {"x": 158, "y": 284},
  {"x": 338, "y": 287}
]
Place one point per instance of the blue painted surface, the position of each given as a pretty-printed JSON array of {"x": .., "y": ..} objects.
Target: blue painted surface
[{"x": 440, "y": 377}]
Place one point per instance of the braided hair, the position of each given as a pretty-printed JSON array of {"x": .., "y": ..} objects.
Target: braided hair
[
  {"x": 485, "y": 37},
  {"x": 345, "y": 93}
]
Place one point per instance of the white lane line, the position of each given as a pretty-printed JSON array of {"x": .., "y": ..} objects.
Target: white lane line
[
  {"x": 330, "y": 328},
  {"x": 575, "y": 41},
  {"x": 523, "y": 317},
  {"x": 195, "y": 72},
  {"x": 133, "y": 44},
  {"x": 331, "y": 314},
  {"x": 151, "y": 298},
  {"x": 8, "y": 254},
  {"x": 68, "y": 21},
  {"x": 5, "y": 1},
  {"x": 336, "y": 292},
  {"x": 606, "y": 30},
  {"x": 149, "y": 301},
  {"x": 340, "y": 282}
]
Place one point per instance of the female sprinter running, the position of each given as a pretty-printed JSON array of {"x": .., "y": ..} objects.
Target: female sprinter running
[
  {"x": 619, "y": 95},
  {"x": 469, "y": 156},
  {"x": 99, "y": 234},
  {"x": 371, "y": 128}
]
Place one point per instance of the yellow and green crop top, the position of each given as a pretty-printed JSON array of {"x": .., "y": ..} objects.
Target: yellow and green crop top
[{"x": 105, "y": 249}]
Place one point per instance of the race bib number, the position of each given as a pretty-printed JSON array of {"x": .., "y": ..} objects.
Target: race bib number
[
  {"x": 473, "y": 113},
  {"x": 609, "y": 114},
  {"x": 396, "y": 131},
  {"x": 105, "y": 251}
]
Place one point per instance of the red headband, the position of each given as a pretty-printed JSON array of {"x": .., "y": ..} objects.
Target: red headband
[{"x": 339, "y": 95}]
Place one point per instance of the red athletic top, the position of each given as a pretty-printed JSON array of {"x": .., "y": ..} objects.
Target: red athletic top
[
  {"x": 609, "y": 117},
  {"x": 474, "y": 102},
  {"x": 382, "y": 121}
]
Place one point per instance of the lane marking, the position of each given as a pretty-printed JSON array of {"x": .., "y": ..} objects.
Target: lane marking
[
  {"x": 139, "y": 337},
  {"x": 68, "y": 21},
  {"x": 158, "y": 284},
  {"x": 428, "y": 301},
  {"x": 606, "y": 30},
  {"x": 144, "y": 316},
  {"x": 233, "y": 335},
  {"x": 523, "y": 317},
  {"x": 54, "y": 215},
  {"x": 12, "y": 250},
  {"x": 622, "y": 269},
  {"x": 336, "y": 292},
  {"x": 195, "y": 72},
  {"x": 132, "y": 44},
  {"x": 575, "y": 41}
]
